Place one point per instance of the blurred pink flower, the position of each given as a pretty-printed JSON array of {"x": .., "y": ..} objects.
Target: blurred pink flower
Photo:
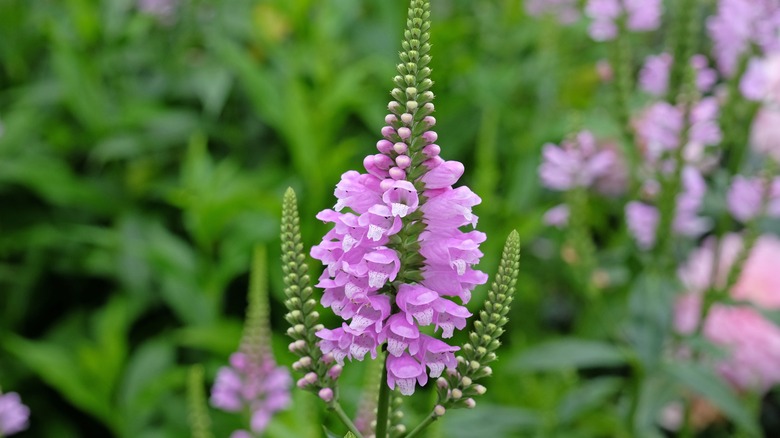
[
  {"x": 565, "y": 11},
  {"x": 577, "y": 163},
  {"x": 765, "y": 132},
  {"x": 751, "y": 342},
  {"x": 746, "y": 196}
]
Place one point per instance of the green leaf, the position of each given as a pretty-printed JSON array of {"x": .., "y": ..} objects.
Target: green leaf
[
  {"x": 568, "y": 353},
  {"x": 707, "y": 384},
  {"x": 587, "y": 396},
  {"x": 489, "y": 421}
]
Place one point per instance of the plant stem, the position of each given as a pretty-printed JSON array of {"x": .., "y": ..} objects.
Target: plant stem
[
  {"x": 425, "y": 423},
  {"x": 336, "y": 407},
  {"x": 382, "y": 405}
]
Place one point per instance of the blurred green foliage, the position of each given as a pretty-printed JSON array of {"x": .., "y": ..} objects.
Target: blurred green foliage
[{"x": 143, "y": 156}]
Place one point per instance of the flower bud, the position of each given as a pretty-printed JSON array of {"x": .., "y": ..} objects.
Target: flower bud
[
  {"x": 297, "y": 366},
  {"x": 442, "y": 383},
  {"x": 305, "y": 361},
  {"x": 431, "y": 150},
  {"x": 299, "y": 328},
  {"x": 457, "y": 394},
  {"x": 328, "y": 358},
  {"x": 488, "y": 371},
  {"x": 318, "y": 327},
  {"x": 326, "y": 394},
  {"x": 428, "y": 95},
  {"x": 407, "y": 118},
  {"x": 302, "y": 383},
  {"x": 390, "y": 119},
  {"x": 386, "y": 184},
  {"x": 466, "y": 381},
  {"x": 439, "y": 410},
  {"x": 474, "y": 365},
  {"x": 470, "y": 403},
  {"x": 404, "y": 132},
  {"x": 388, "y": 131},
  {"x": 411, "y": 105},
  {"x": 430, "y": 136},
  {"x": 403, "y": 161},
  {"x": 480, "y": 389},
  {"x": 400, "y": 148},
  {"x": 430, "y": 121},
  {"x": 394, "y": 106},
  {"x": 397, "y": 173},
  {"x": 334, "y": 372},
  {"x": 310, "y": 377},
  {"x": 411, "y": 92}
]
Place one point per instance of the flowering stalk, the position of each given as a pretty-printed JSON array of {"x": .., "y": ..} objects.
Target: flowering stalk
[
  {"x": 200, "y": 422},
  {"x": 253, "y": 383},
  {"x": 320, "y": 374}
]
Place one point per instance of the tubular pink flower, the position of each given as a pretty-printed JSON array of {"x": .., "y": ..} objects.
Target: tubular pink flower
[{"x": 405, "y": 372}]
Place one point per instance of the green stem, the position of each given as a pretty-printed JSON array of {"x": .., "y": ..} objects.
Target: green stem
[
  {"x": 336, "y": 407},
  {"x": 425, "y": 423},
  {"x": 383, "y": 405}
]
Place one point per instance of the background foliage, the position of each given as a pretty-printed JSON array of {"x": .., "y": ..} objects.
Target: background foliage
[{"x": 142, "y": 156}]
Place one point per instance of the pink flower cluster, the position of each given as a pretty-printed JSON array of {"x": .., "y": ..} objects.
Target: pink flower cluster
[
  {"x": 741, "y": 24},
  {"x": 566, "y": 11},
  {"x": 258, "y": 386},
  {"x": 396, "y": 255},
  {"x": 747, "y": 197},
  {"x": 654, "y": 76},
  {"x": 752, "y": 342},
  {"x": 14, "y": 415},
  {"x": 580, "y": 162},
  {"x": 761, "y": 83},
  {"x": 640, "y": 15}
]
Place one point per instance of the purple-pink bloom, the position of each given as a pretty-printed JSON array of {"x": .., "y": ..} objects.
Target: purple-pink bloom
[
  {"x": 750, "y": 341},
  {"x": 740, "y": 24},
  {"x": 642, "y": 220},
  {"x": 404, "y": 371},
  {"x": 687, "y": 222},
  {"x": 746, "y": 197},
  {"x": 14, "y": 415},
  {"x": 640, "y": 15},
  {"x": 557, "y": 216},
  {"x": 577, "y": 163},
  {"x": 654, "y": 76},
  {"x": 256, "y": 384}
]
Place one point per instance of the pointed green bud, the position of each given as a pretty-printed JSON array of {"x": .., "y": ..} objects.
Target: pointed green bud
[{"x": 198, "y": 411}]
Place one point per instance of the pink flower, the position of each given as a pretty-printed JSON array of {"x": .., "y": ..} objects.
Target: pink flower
[
  {"x": 738, "y": 25},
  {"x": 14, "y": 415},
  {"x": 751, "y": 342},
  {"x": 642, "y": 220},
  {"x": 765, "y": 132},
  {"x": 654, "y": 76},
  {"x": 557, "y": 216},
  {"x": 747, "y": 195},
  {"x": 641, "y": 15},
  {"x": 405, "y": 372},
  {"x": 250, "y": 383},
  {"x": 576, "y": 163}
]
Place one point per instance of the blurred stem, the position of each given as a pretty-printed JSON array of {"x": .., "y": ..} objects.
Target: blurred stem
[
  {"x": 383, "y": 405},
  {"x": 425, "y": 423},
  {"x": 736, "y": 132},
  {"x": 622, "y": 63},
  {"x": 581, "y": 240},
  {"x": 336, "y": 407},
  {"x": 683, "y": 41}
]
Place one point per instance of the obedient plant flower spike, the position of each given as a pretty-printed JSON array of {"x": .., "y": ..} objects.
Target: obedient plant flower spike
[
  {"x": 683, "y": 36},
  {"x": 478, "y": 352},
  {"x": 253, "y": 382},
  {"x": 199, "y": 419},
  {"x": 300, "y": 302},
  {"x": 318, "y": 369}
]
